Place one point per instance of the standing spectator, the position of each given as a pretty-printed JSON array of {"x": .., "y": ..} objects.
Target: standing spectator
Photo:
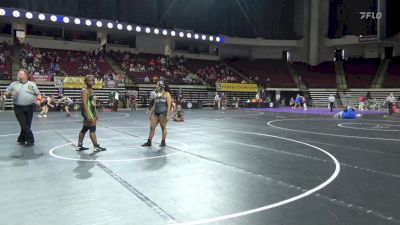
[
  {"x": 368, "y": 96},
  {"x": 263, "y": 94},
  {"x": 361, "y": 102},
  {"x": 144, "y": 101},
  {"x": 133, "y": 101},
  {"x": 331, "y": 100},
  {"x": 111, "y": 99},
  {"x": 224, "y": 100},
  {"x": 153, "y": 96},
  {"x": 217, "y": 101},
  {"x": 24, "y": 94},
  {"x": 2, "y": 102},
  {"x": 304, "y": 102},
  {"x": 2, "y": 58},
  {"x": 116, "y": 100},
  {"x": 390, "y": 100}
]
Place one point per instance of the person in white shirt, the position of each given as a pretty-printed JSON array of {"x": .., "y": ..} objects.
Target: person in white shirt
[
  {"x": 24, "y": 94},
  {"x": 331, "y": 100},
  {"x": 146, "y": 79},
  {"x": 2, "y": 102},
  {"x": 116, "y": 100},
  {"x": 217, "y": 101},
  {"x": 390, "y": 101}
]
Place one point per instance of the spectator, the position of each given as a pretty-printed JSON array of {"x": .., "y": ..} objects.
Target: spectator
[{"x": 2, "y": 102}]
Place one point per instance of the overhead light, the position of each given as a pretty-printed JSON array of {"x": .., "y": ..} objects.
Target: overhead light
[
  {"x": 173, "y": 33},
  {"x": 147, "y": 30},
  {"x": 164, "y": 32},
  {"x": 189, "y": 35},
  {"x": 211, "y": 38},
  {"x": 99, "y": 24},
  {"x": 218, "y": 39},
  {"x": 66, "y": 19},
  {"x": 53, "y": 18},
  {"x": 42, "y": 17},
  {"x": 181, "y": 34},
  {"x": 16, "y": 13},
  {"x": 138, "y": 29},
  {"x": 196, "y": 36},
  {"x": 119, "y": 26},
  {"x": 2, "y": 12},
  {"x": 110, "y": 25},
  {"x": 77, "y": 21},
  {"x": 129, "y": 27},
  {"x": 156, "y": 31},
  {"x": 203, "y": 37},
  {"x": 88, "y": 22},
  {"x": 29, "y": 15}
]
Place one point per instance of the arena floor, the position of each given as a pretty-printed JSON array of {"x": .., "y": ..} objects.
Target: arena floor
[{"x": 232, "y": 167}]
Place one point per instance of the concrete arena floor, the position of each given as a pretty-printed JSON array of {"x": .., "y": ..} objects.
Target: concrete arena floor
[{"x": 219, "y": 167}]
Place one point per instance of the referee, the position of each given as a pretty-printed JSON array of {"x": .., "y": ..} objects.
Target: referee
[
  {"x": 331, "y": 100},
  {"x": 24, "y": 94},
  {"x": 390, "y": 101}
]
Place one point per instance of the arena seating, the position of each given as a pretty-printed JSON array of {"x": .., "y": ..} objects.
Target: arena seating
[
  {"x": 392, "y": 78},
  {"x": 360, "y": 72},
  {"x": 67, "y": 62},
  {"x": 320, "y": 76},
  {"x": 5, "y": 62},
  {"x": 274, "y": 69}
]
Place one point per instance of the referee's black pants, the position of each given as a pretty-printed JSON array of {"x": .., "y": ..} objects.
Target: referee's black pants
[
  {"x": 24, "y": 116},
  {"x": 390, "y": 105},
  {"x": 331, "y": 106}
]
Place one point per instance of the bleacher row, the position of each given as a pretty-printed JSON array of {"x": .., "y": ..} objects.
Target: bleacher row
[
  {"x": 63, "y": 62},
  {"x": 319, "y": 97},
  {"x": 148, "y": 68},
  {"x": 350, "y": 98}
]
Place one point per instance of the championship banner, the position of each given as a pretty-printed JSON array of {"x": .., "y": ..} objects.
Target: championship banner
[
  {"x": 75, "y": 82},
  {"x": 40, "y": 77},
  {"x": 236, "y": 87}
]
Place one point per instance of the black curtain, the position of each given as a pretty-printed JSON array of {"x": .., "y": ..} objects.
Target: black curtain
[
  {"x": 392, "y": 17},
  {"x": 344, "y": 18}
]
